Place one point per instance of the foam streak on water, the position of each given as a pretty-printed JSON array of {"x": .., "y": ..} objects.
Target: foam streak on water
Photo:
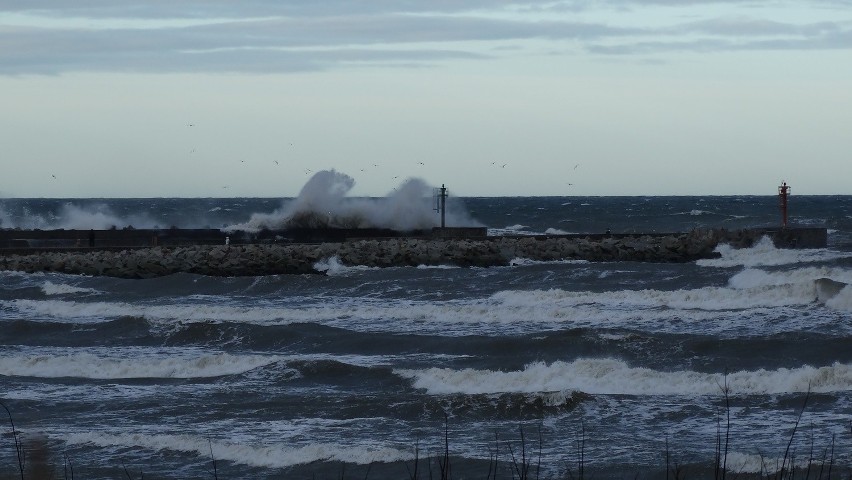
[{"x": 614, "y": 377}]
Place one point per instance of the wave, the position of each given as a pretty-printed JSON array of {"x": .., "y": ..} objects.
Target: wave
[
  {"x": 842, "y": 300},
  {"x": 153, "y": 365},
  {"x": 50, "y": 288},
  {"x": 765, "y": 254},
  {"x": 98, "y": 216},
  {"x": 615, "y": 377},
  {"x": 830, "y": 285},
  {"x": 332, "y": 266},
  {"x": 322, "y": 203},
  {"x": 276, "y": 455},
  {"x": 695, "y": 213},
  {"x": 525, "y": 262},
  {"x": 749, "y": 290},
  {"x": 706, "y": 298},
  {"x": 509, "y": 230}
]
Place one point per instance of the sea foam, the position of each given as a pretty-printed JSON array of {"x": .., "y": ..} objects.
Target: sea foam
[
  {"x": 331, "y": 266},
  {"x": 615, "y": 377},
  {"x": 91, "y": 365},
  {"x": 750, "y": 290},
  {"x": 50, "y": 288},
  {"x": 274, "y": 455},
  {"x": 764, "y": 254}
]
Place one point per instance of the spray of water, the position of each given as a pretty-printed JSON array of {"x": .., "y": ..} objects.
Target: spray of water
[
  {"x": 70, "y": 216},
  {"x": 322, "y": 203}
]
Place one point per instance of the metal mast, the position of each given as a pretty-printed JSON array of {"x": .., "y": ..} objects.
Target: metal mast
[
  {"x": 783, "y": 193},
  {"x": 442, "y": 204}
]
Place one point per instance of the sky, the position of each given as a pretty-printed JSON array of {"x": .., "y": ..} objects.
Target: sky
[{"x": 216, "y": 98}]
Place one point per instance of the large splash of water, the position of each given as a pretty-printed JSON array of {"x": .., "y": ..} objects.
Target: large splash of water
[
  {"x": 97, "y": 216},
  {"x": 322, "y": 203}
]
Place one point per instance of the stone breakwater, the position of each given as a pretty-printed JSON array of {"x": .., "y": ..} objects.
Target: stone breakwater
[{"x": 272, "y": 259}]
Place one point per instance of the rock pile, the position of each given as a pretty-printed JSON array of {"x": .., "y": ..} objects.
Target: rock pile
[{"x": 271, "y": 259}]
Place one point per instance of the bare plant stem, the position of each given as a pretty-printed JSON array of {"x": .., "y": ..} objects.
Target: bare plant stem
[
  {"x": 19, "y": 449},
  {"x": 787, "y": 455}
]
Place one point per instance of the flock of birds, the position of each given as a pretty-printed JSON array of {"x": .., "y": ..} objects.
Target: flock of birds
[{"x": 308, "y": 171}]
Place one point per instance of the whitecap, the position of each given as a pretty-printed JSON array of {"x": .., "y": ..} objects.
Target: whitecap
[
  {"x": 333, "y": 267},
  {"x": 159, "y": 365},
  {"x": 607, "y": 376},
  {"x": 764, "y": 253},
  {"x": 264, "y": 455},
  {"x": 50, "y": 288}
]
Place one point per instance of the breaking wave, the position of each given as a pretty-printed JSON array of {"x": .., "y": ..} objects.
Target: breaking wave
[
  {"x": 322, "y": 203},
  {"x": 614, "y": 377},
  {"x": 92, "y": 365},
  {"x": 276, "y": 455},
  {"x": 765, "y": 254}
]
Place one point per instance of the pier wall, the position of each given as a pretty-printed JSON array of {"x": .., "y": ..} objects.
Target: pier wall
[{"x": 286, "y": 257}]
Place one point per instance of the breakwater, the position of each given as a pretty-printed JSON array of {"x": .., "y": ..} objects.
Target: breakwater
[{"x": 301, "y": 258}]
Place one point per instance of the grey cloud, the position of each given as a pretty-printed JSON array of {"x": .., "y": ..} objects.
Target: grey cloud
[
  {"x": 230, "y": 46},
  {"x": 750, "y": 27},
  {"x": 248, "y": 8},
  {"x": 132, "y": 55},
  {"x": 300, "y": 35},
  {"x": 153, "y": 9},
  {"x": 829, "y": 39}
]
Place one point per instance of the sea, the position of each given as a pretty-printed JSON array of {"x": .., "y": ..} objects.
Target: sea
[{"x": 545, "y": 370}]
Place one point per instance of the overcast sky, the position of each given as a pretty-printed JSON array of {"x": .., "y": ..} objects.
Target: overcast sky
[{"x": 183, "y": 98}]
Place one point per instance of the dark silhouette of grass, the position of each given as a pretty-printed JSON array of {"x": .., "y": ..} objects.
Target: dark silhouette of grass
[{"x": 33, "y": 461}]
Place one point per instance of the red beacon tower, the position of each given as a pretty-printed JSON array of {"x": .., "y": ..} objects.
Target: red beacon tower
[{"x": 783, "y": 193}]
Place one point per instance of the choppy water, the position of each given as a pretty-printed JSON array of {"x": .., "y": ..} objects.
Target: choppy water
[{"x": 356, "y": 373}]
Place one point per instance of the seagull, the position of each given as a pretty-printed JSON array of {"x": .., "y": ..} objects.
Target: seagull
[
  {"x": 276, "y": 162},
  {"x": 575, "y": 166},
  {"x": 54, "y": 176},
  {"x": 504, "y": 165}
]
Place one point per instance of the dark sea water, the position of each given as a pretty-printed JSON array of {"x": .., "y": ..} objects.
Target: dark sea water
[{"x": 357, "y": 373}]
